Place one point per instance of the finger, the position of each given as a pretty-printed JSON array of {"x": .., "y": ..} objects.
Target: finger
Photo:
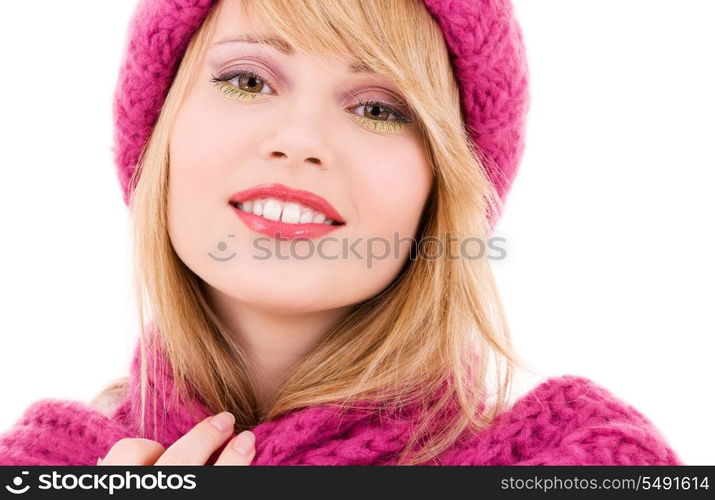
[
  {"x": 133, "y": 451},
  {"x": 239, "y": 451},
  {"x": 196, "y": 446}
]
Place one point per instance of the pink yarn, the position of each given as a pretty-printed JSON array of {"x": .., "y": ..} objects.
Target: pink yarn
[
  {"x": 483, "y": 38},
  {"x": 566, "y": 420}
]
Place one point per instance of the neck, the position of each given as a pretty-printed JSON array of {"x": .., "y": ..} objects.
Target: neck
[{"x": 274, "y": 341}]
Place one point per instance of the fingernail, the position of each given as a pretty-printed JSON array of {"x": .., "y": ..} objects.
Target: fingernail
[
  {"x": 244, "y": 442},
  {"x": 223, "y": 421}
]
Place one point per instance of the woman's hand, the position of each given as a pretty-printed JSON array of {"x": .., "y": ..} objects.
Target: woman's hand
[{"x": 193, "y": 448}]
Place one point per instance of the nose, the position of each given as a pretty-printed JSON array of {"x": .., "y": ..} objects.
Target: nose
[{"x": 300, "y": 137}]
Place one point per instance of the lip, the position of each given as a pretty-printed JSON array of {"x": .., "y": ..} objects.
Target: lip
[
  {"x": 282, "y": 230},
  {"x": 285, "y": 193}
]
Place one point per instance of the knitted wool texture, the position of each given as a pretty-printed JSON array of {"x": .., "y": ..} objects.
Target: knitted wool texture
[
  {"x": 483, "y": 38},
  {"x": 566, "y": 420}
]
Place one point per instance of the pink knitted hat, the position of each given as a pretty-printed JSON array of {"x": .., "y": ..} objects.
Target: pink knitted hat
[{"x": 483, "y": 38}]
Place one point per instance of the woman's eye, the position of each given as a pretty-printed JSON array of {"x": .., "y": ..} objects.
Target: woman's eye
[
  {"x": 243, "y": 85},
  {"x": 248, "y": 85},
  {"x": 376, "y": 114}
]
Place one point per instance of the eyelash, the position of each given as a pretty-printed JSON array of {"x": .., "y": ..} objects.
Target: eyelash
[{"x": 391, "y": 126}]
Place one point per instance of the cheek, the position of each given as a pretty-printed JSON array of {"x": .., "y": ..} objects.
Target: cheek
[
  {"x": 204, "y": 145},
  {"x": 207, "y": 143},
  {"x": 392, "y": 186},
  {"x": 202, "y": 157},
  {"x": 388, "y": 190}
]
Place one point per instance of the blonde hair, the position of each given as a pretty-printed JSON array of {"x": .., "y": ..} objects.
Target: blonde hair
[{"x": 433, "y": 336}]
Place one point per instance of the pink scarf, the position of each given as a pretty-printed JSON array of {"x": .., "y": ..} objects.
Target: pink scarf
[{"x": 566, "y": 420}]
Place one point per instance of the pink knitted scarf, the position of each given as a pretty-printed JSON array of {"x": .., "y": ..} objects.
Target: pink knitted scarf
[{"x": 566, "y": 420}]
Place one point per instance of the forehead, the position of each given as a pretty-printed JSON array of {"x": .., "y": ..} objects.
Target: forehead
[{"x": 234, "y": 28}]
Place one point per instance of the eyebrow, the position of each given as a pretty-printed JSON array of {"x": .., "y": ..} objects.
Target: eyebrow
[{"x": 284, "y": 47}]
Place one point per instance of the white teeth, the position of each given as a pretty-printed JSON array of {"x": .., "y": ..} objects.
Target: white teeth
[
  {"x": 272, "y": 209},
  {"x": 306, "y": 216},
  {"x": 288, "y": 212},
  {"x": 291, "y": 213}
]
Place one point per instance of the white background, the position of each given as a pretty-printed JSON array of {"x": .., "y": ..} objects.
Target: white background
[{"x": 609, "y": 230}]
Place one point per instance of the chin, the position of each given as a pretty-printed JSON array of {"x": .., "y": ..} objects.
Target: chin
[{"x": 279, "y": 296}]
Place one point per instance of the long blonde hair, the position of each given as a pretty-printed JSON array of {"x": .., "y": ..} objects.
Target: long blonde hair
[{"x": 439, "y": 325}]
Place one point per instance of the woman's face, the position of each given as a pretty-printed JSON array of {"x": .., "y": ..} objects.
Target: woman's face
[{"x": 299, "y": 124}]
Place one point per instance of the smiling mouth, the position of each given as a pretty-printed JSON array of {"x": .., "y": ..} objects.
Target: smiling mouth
[{"x": 287, "y": 212}]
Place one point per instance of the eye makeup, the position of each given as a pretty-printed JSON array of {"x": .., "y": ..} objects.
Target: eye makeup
[{"x": 249, "y": 85}]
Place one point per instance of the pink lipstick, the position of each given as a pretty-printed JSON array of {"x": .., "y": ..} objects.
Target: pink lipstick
[{"x": 278, "y": 228}]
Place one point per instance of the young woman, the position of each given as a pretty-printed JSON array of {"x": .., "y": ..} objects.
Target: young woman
[{"x": 309, "y": 182}]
